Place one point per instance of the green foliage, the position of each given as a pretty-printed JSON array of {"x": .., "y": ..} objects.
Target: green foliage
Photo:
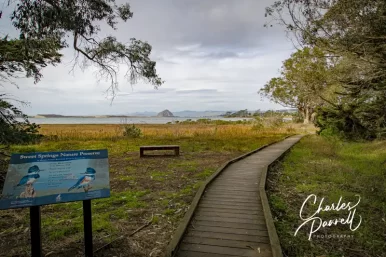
[
  {"x": 302, "y": 82},
  {"x": 241, "y": 113},
  {"x": 12, "y": 130},
  {"x": 29, "y": 56},
  {"x": 330, "y": 169},
  {"x": 45, "y": 26},
  {"x": 131, "y": 131},
  {"x": 352, "y": 34}
]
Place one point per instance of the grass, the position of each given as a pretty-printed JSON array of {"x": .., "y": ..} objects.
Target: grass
[
  {"x": 331, "y": 169},
  {"x": 159, "y": 189}
]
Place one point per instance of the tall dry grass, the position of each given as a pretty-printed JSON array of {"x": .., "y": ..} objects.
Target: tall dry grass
[{"x": 115, "y": 131}]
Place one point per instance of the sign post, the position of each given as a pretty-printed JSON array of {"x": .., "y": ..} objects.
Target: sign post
[
  {"x": 35, "y": 179},
  {"x": 87, "y": 228},
  {"x": 36, "y": 235}
]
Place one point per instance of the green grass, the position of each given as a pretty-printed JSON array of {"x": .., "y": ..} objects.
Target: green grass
[
  {"x": 141, "y": 188},
  {"x": 331, "y": 169}
]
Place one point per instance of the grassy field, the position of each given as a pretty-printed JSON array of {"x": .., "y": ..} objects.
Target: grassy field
[
  {"x": 156, "y": 190},
  {"x": 331, "y": 168}
]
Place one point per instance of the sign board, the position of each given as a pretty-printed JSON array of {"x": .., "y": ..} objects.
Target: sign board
[{"x": 35, "y": 179}]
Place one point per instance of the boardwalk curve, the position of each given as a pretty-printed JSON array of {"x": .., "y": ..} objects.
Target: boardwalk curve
[{"x": 231, "y": 216}]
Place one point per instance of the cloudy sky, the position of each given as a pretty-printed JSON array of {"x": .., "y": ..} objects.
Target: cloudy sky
[{"x": 212, "y": 55}]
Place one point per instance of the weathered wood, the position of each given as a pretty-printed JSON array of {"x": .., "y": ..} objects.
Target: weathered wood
[
  {"x": 229, "y": 210},
  {"x": 229, "y": 199},
  {"x": 228, "y": 224},
  {"x": 243, "y": 238},
  {"x": 222, "y": 202},
  {"x": 230, "y": 213},
  {"x": 175, "y": 148},
  {"x": 219, "y": 250},
  {"x": 235, "y": 220},
  {"x": 228, "y": 243},
  {"x": 236, "y": 231},
  {"x": 173, "y": 245},
  {"x": 216, "y": 213},
  {"x": 229, "y": 192},
  {"x": 198, "y": 254},
  {"x": 251, "y": 208},
  {"x": 246, "y": 196}
]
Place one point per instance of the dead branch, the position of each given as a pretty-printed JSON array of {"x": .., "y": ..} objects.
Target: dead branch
[{"x": 128, "y": 235}]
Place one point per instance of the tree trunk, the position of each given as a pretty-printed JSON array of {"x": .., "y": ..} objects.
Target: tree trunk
[{"x": 306, "y": 115}]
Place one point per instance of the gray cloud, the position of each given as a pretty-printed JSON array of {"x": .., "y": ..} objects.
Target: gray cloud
[
  {"x": 212, "y": 55},
  {"x": 197, "y": 91}
]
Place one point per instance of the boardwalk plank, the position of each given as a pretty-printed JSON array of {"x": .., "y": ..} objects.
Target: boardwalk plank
[
  {"x": 228, "y": 243},
  {"x": 234, "y": 204},
  {"x": 231, "y": 215},
  {"x": 229, "y": 218},
  {"x": 182, "y": 253},
  {"x": 237, "y": 231},
  {"x": 219, "y": 250},
  {"x": 231, "y": 199},
  {"x": 228, "y": 210},
  {"x": 229, "y": 224},
  {"x": 242, "y": 238},
  {"x": 227, "y": 206},
  {"x": 236, "y": 220}
]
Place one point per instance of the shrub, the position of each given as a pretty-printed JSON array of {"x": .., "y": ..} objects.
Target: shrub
[
  {"x": 15, "y": 127},
  {"x": 131, "y": 131}
]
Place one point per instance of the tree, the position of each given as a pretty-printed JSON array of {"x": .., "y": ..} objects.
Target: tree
[
  {"x": 29, "y": 56},
  {"x": 302, "y": 83},
  {"x": 47, "y": 26},
  {"x": 14, "y": 131},
  {"x": 353, "y": 31}
]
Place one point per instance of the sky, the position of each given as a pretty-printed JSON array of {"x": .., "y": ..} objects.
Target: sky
[{"x": 213, "y": 55}]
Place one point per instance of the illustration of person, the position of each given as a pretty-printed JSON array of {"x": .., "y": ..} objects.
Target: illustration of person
[{"x": 85, "y": 180}]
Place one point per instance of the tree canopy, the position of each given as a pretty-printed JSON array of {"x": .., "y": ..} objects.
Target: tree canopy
[
  {"x": 45, "y": 27},
  {"x": 353, "y": 32},
  {"x": 303, "y": 82}
]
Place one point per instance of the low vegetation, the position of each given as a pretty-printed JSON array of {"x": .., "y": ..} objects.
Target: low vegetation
[
  {"x": 331, "y": 169},
  {"x": 156, "y": 190}
]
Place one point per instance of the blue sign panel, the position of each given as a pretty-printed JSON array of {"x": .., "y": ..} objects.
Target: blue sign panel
[{"x": 55, "y": 177}]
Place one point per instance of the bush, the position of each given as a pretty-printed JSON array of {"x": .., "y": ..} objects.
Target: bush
[
  {"x": 131, "y": 131},
  {"x": 15, "y": 127},
  {"x": 258, "y": 123},
  {"x": 345, "y": 123}
]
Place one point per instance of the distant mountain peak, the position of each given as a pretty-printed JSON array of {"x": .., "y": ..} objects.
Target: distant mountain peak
[{"x": 165, "y": 113}]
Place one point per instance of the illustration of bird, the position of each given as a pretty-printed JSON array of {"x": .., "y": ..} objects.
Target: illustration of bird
[
  {"x": 28, "y": 179},
  {"x": 34, "y": 169},
  {"x": 84, "y": 181}
]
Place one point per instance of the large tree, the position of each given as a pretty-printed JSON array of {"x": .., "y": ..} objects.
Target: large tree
[
  {"x": 47, "y": 26},
  {"x": 354, "y": 31},
  {"x": 50, "y": 25},
  {"x": 302, "y": 84}
]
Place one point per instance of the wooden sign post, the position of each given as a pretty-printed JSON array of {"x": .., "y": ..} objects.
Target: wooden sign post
[
  {"x": 36, "y": 235},
  {"x": 87, "y": 220}
]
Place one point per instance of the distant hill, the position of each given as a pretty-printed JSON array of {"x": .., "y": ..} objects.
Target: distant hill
[
  {"x": 165, "y": 113},
  {"x": 146, "y": 114},
  {"x": 185, "y": 113},
  {"x": 198, "y": 113}
]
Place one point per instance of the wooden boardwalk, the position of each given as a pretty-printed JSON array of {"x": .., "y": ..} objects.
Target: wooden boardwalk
[{"x": 229, "y": 219}]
